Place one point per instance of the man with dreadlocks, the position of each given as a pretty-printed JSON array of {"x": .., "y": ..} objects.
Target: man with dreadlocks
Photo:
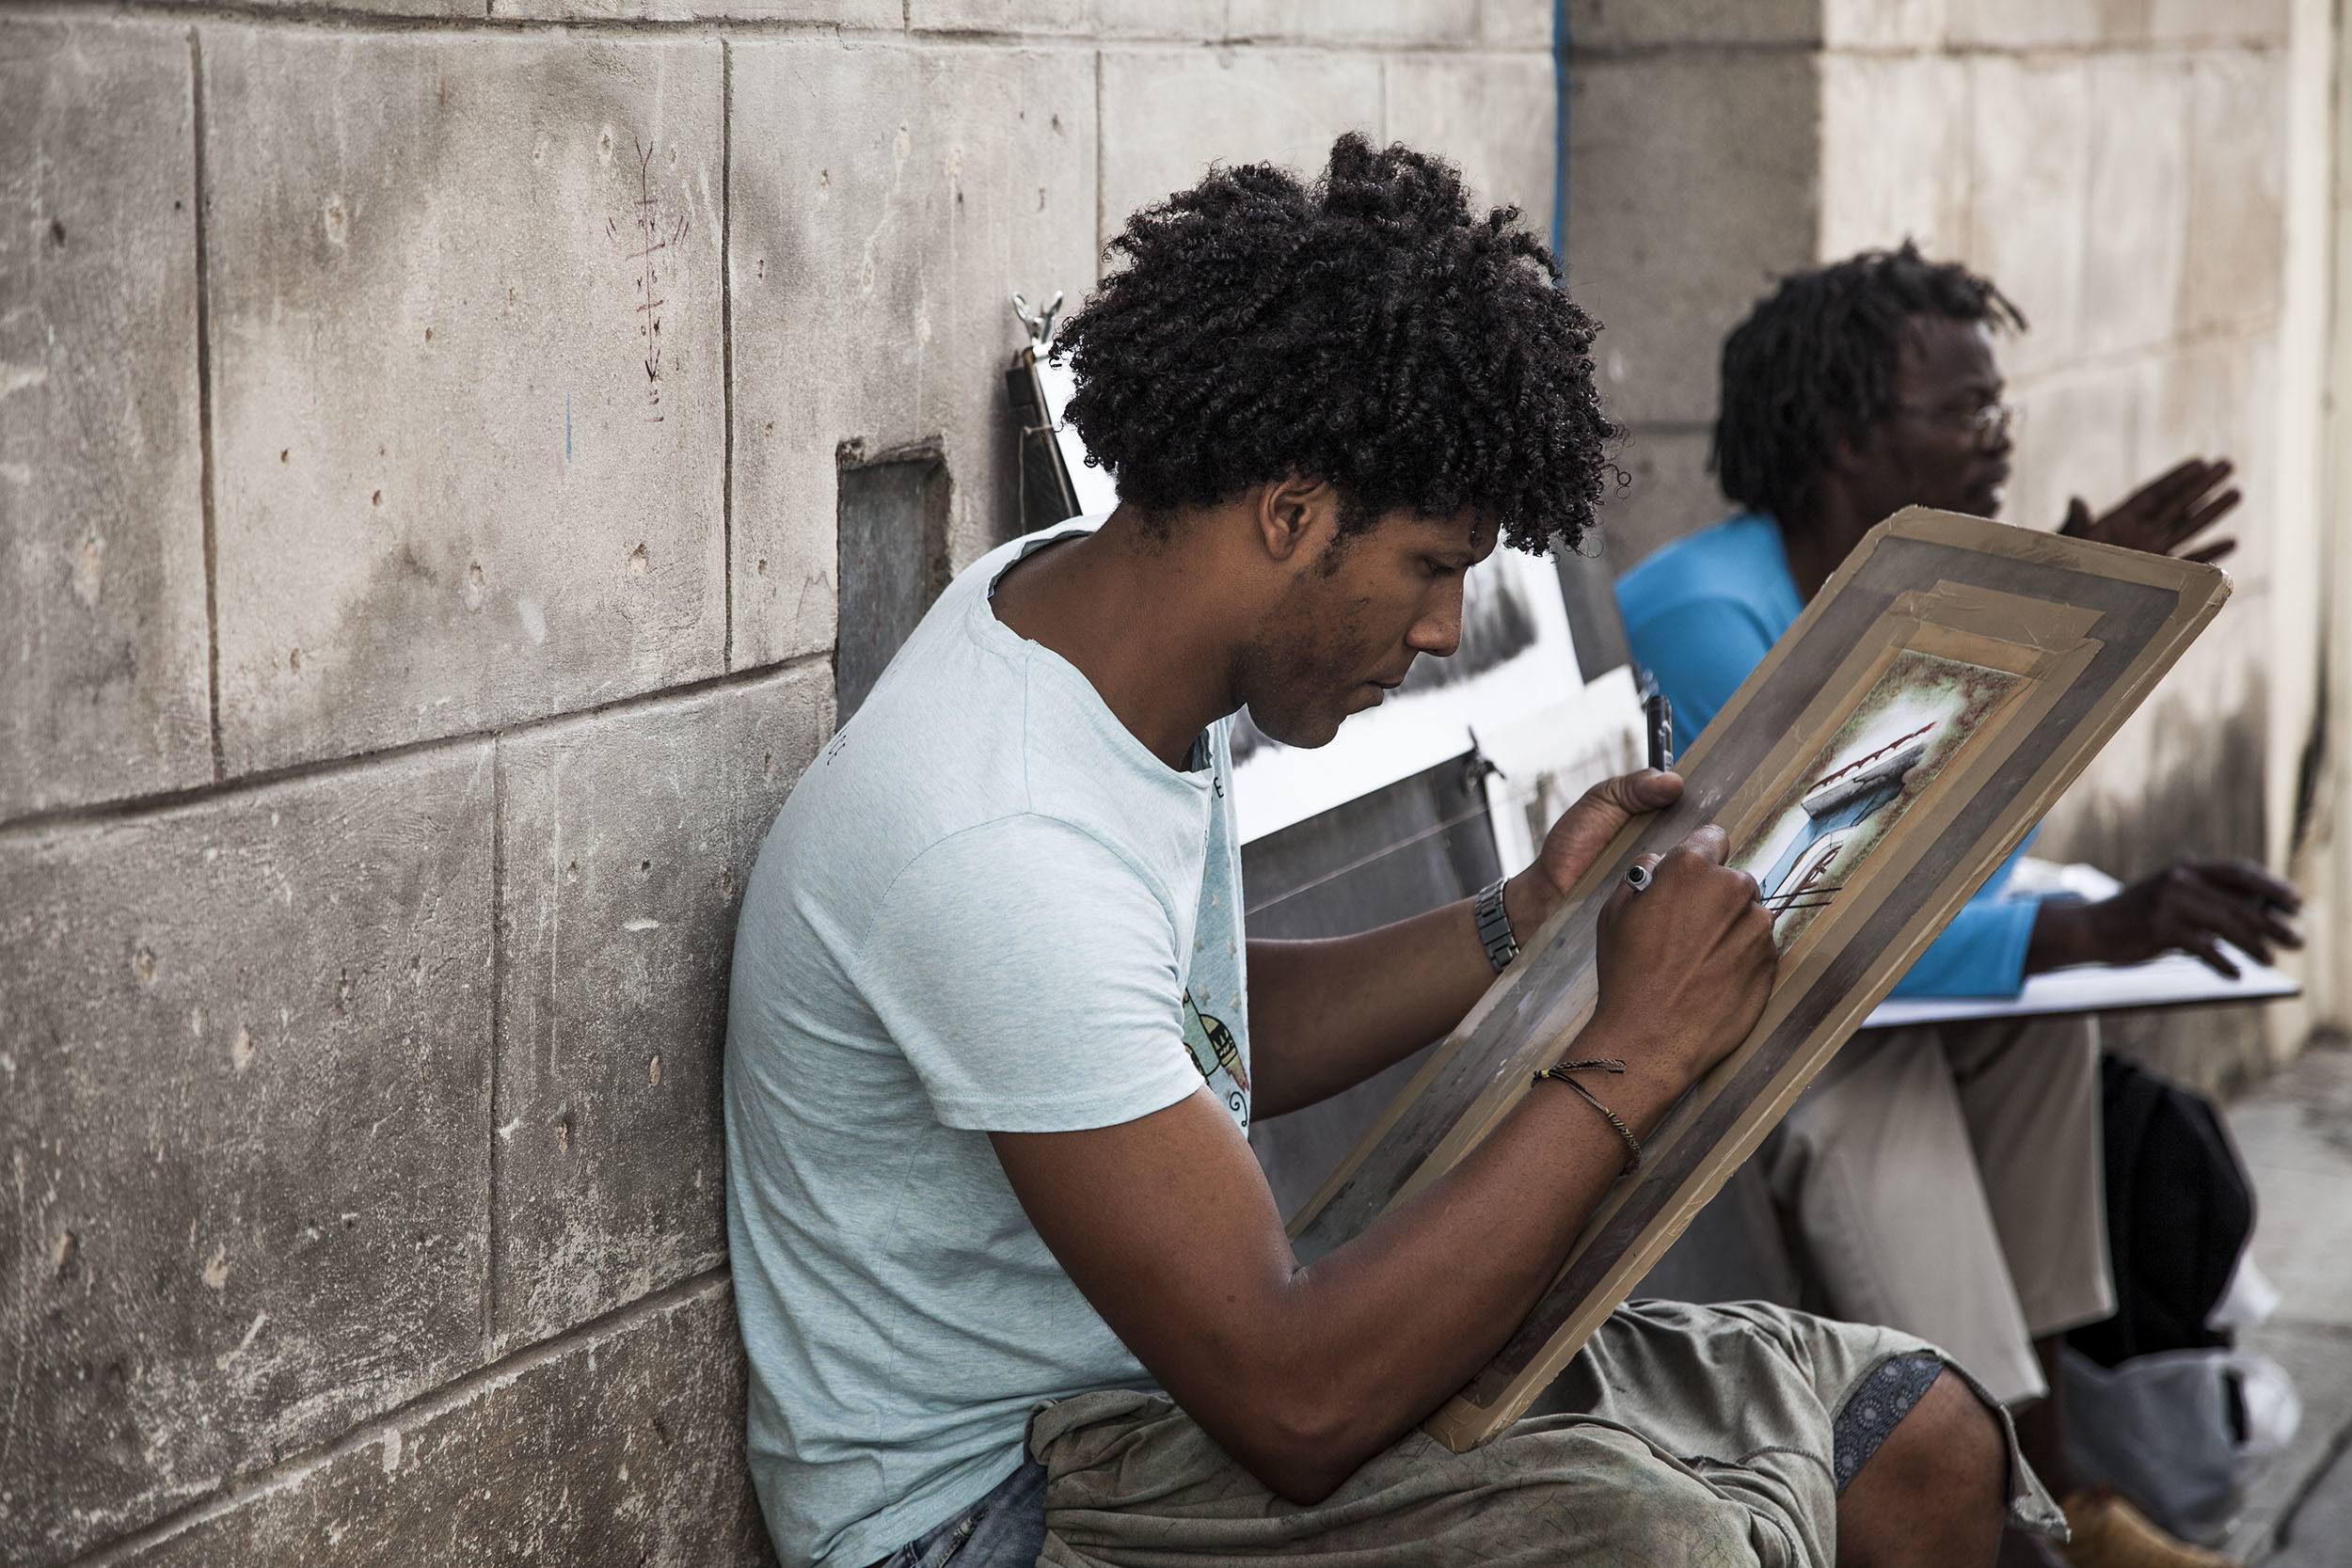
[
  {"x": 1010, "y": 1280},
  {"x": 1946, "y": 1180}
]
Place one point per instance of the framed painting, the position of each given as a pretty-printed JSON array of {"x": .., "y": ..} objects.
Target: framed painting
[{"x": 1925, "y": 711}]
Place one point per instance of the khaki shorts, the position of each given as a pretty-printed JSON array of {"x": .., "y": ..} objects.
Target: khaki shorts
[{"x": 1703, "y": 1436}]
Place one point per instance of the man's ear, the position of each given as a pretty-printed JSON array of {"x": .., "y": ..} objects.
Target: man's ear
[
  {"x": 1294, "y": 516},
  {"x": 1851, "y": 445}
]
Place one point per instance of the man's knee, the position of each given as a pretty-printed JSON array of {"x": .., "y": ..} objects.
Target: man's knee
[
  {"x": 1955, "y": 1440},
  {"x": 1937, "y": 1488}
]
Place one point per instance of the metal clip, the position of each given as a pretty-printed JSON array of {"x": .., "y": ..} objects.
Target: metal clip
[
  {"x": 1041, "y": 324},
  {"x": 1478, "y": 767}
]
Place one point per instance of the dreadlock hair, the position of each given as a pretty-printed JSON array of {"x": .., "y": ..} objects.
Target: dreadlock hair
[
  {"x": 1816, "y": 361},
  {"x": 1367, "y": 329}
]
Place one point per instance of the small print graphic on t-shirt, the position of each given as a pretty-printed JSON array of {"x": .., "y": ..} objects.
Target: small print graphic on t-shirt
[{"x": 1218, "y": 1055}]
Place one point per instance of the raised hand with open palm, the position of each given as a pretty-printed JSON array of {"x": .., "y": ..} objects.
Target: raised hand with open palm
[{"x": 2166, "y": 515}]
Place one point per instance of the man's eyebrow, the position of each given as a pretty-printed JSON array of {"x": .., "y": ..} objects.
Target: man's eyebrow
[{"x": 1972, "y": 390}]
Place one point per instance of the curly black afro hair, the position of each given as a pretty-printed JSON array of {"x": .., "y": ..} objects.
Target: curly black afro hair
[
  {"x": 1369, "y": 330},
  {"x": 1817, "y": 358}
]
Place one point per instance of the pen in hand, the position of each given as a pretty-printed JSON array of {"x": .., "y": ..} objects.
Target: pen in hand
[{"x": 1657, "y": 721}]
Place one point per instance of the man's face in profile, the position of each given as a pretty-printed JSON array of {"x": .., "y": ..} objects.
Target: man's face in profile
[
  {"x": 1947, "y": 444},
  {"x": 1353, "y": 618}
]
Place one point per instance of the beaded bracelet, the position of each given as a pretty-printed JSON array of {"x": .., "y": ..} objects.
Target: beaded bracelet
[{"x": 1559, "y": 1072}]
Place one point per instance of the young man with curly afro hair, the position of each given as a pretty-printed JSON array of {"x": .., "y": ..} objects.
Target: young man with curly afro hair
[{"x": 1013, "y": 1288}]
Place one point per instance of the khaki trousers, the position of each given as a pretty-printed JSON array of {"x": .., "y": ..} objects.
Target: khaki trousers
[
  {"x": 1714, "y": 1435},
  {"x": 1948, "y": 1180}
]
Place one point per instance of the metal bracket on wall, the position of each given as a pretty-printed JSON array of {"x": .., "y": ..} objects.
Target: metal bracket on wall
[{"x": 1048, "y": 494}]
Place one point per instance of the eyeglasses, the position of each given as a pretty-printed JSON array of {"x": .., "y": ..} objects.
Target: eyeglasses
[{"x": 1988, "y": 426}]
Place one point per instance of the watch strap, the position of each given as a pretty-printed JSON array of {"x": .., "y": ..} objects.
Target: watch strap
[{"x": 1494, "y": 926}]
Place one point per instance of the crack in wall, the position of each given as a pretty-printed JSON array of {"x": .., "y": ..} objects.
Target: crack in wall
[
  {"x": 130, "y": 807},
  {"x": 379, "y": 1430},
  {"x": 491, "y": 1160},
  {"x": 726, "y": 353},
  {"x": 207, "y": 471}
]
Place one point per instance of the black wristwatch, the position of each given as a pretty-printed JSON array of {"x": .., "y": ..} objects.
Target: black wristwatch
[{"x": 1494, "y": 926}]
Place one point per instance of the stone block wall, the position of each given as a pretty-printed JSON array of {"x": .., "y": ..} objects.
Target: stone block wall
[
  {"x": 2325, "y": 574},
  {"x": 2120, "y": 170},
  {"x": 420, "y": 431},
  {"x": 1692, "y": 181}
]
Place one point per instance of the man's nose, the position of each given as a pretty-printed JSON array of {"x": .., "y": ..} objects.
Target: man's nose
[{"x": 1438, "y": 633}]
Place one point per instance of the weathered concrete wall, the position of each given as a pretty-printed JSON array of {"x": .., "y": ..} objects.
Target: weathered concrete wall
[
  {"x": 419, "y": 453},
  {"x": 2328, "y": 567},
  {"x": 1693, "y": 167},
  {"x": 468, "y": 409},
  {"x": 104, "y": 590},
  {"x": 419, "y": 462},
  {"x": 2121, "y": 171}
]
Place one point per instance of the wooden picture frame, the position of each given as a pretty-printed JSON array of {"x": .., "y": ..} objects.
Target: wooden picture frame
[{"x": 2049, "y": 643}]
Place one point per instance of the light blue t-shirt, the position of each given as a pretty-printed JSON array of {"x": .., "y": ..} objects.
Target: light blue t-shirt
[
  {"x": 1701, "y": 614},
  {"x": 985, "y": 907}
]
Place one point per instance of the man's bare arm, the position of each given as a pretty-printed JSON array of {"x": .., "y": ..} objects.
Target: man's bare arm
[
  {"x": 1301, "y": 1374},
  {"x": 1327, "y": 1015}
]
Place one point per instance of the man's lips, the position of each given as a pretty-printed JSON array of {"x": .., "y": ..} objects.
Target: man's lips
[{"x": 1988, "y": 491}]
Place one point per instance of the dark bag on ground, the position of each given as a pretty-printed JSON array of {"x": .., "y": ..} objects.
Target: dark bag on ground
[
  {"x": 2156, "y": 1395},
  {"x": 2179, "y": 1209}
]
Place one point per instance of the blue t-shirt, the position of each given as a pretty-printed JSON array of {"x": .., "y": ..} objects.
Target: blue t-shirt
[
  {"x": 1699, "y": 615},
  {"x": 986, "y": 906}
]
